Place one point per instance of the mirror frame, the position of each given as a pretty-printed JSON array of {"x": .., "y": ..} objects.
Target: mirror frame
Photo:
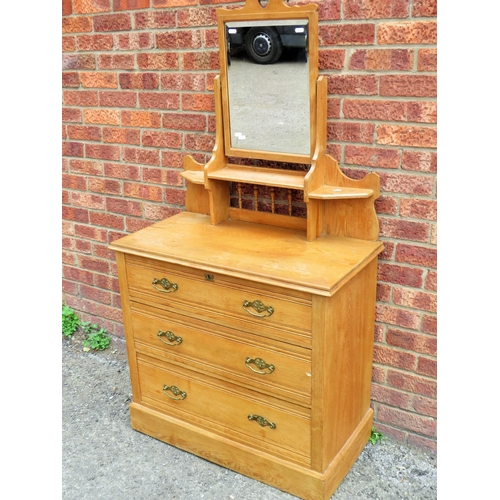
[{"x": 275, "y": 10}]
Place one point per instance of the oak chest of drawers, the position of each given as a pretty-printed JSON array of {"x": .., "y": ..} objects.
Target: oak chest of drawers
[{"x": 251, "y": 347}]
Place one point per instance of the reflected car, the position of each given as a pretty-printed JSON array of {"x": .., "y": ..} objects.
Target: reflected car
[{"x": 264, "y": 44}]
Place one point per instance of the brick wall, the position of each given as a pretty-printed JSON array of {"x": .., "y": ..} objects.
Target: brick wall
[{"x": 138, "y": 95}]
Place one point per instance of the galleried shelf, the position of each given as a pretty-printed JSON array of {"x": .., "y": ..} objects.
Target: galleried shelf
[{"x": 250, "y": 333}]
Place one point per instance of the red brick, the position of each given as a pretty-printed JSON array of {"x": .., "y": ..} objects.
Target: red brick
[
  {"x": 382, "y": 60},
  {"x": 173, "y": 178},
  {"x": 376, "y": 9},
  {"x": 196, "y": 16},
  {"x": 84, "y": 133},
  {"x": 107, "y": 282},
  {"x": 210, "y": 38},
  {"x": 154, "y": 175},
  {"x": 94, "y": 42},
  {"x": 78, "y": 61},
  {"x": 180, "y": 81},
  {"x": 420, "y": 256},
  {"x": 90, "y": 6},
  {"x": 388, "y": 356},
  {"x": 398, "y": 317},
  {"x": 333, "y": 108},
  {"x": 371, "y": 157},
  {"x": 365, "y": 109},
  {"x": 72, "y": 115},
  {"x": 431, "y": 281},
  {"x": 389, "y": 431},
  {"x": 353, "y": 84},
  {"x": 93, "y": 264},
  {"x": 410, "y": 421},
  {"x": 387, "y": 253},
  {"x": 134, "y": 41},
  {"x": 121, "y": 135},
  {"x": 199, "y": 142},
  {"x": 115, "y": 61},
  {"x": 87, "y": 200},
  {"x": 415, "y": 299},
  {"x": 72, "y": 149},
  {"x": 162, "y": 139},
  {"x": 147, "y": 119},
  {"x": 90, "y": 292},
  {"x": 331, "y": 59},
  {"x": 76, "y": 245},
  {"x": 88, "y": 167},
  {"x": 346, "y": 34},
  {"x": 427, "y": 59},
  {"x": 399, "y": 135},
  {"x": 80, "y": 98},
  {"x": 412, "y": 341},
  {"x": 67, "y": 7},
  {"x": 139, "y": 81},
  {"x": 412, "y": 383},
  {"x": 101, "y": 151},
  {"x": 118, "y": 99},
  {"x": 75, "y": 214},
  {"x": 378, "y": 374},
  {"x": 78, "y": 275},
  {"x": 130, "y": 4},
  {"x": 138, "y": 155},
  {"x": 154, "y": 20},
  {"x": 350, "y": 132},
  {"x": 405, "y": 230},
  {"x": 400, "y": 275},
  {"x": 70, "y": 79},
  {"x": 102, "y": 116},
  {"x": 424, "y": 8},
  {"x": 418, "y": 209},
  {"x": 419, "y": 161},
  {"x": 68, "y": 44},
  {"x": 420, "y": 32},
  {"x": 162, "y": 60},
  {"x": 175, "y": 196},
  {"x": 133, "y": 224},
  {"x": 74, "y": 182},
  {"x": 78, "y": 24},
  {"x": 173, "y": 159},
  {"x": 142, "y": 191},
  {"x": 198, "y": 102},
  {"x": 429, "y": 324},
  {"x": 159, "y": 100},
  {"x": 408, "y": 85},
  {"x": 110, "y": 220},
  {"x": 184, "y": 121},
  {"x": 99, "y": 80},
  {"x": 175, "y": 3},
  {"x": 105, "y": 186},
  {"x": 91, "y": 233},
  {"x": 121, "y": 171},
  {"x": 424, "y": 112},
  {"x": 425, "y": 406},
  {"x": 199, "y": 60},
  {"x": 329, "y": 10},
  {"x": 179, "y": 39},
  {"x": 391, "y": 397},
  {"x": 112, "y": 22},
  {"x": 427, "y": 367}
]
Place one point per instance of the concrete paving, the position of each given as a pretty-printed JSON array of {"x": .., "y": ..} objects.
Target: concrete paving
[{"x": 104, "y": 458}]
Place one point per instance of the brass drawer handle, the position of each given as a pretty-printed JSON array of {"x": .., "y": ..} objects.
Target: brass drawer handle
[
  {"x": 260, "y": 364},
  {"x": 174, "y": 339},
  {"x": 262, "y": 310},
  {"x": 175, "y": 391},
  {"x": 167, "y": 287},
  {"x": 262, "y": 421}
]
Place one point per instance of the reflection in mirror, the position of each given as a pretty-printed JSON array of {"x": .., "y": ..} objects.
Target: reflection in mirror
[{"x": 268, "y": 85}]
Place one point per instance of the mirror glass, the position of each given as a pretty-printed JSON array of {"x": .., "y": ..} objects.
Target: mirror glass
[{"x": 268, "y": 85}]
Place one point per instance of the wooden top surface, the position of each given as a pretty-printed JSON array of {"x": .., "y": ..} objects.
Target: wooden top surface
[{"x": 260, "y": 253}]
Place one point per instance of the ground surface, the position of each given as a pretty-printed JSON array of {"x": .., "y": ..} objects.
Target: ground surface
[{"x": 104, "y": 458}]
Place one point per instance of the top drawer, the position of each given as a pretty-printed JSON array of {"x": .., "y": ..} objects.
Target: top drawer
[{"x": 248, "y": 305}]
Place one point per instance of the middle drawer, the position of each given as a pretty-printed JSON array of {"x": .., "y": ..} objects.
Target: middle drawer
[{"x": 265, "y": 365}]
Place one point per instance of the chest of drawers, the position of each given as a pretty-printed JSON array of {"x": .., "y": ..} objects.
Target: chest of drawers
[{"x": 251, "y": 347}]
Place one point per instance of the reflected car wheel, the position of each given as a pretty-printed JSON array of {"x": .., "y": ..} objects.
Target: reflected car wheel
[{"x": 263, "y": 45}]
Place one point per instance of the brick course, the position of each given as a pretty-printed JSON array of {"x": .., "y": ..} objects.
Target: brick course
[{"x": 138, "y": 95}]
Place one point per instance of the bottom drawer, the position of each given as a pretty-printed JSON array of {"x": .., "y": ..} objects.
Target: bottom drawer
[{"x": 225, "y": 409}]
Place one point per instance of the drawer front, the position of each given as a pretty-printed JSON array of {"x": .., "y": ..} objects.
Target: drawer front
[
  {"x": 224, "y": 410},
  {"x": 272, "y": 368},
  {"x": 243, "y": 306}
]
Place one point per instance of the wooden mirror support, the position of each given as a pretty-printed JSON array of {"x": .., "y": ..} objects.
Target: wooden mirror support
[
  {"x": 336, "y": 204},
  {"x": 249, "y": 332}
]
